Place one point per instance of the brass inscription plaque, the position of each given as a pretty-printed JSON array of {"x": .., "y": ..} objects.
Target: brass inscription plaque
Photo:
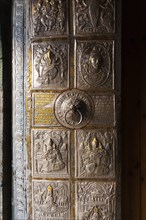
[
  {"x": 43, "y": 114},
  {"x": 50, "y": 153}
]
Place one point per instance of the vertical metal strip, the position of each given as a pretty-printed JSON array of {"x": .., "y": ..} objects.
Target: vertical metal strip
[{"x": 19, "y": 195}]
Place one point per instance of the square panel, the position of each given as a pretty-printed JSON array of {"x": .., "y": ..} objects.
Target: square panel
[
  {"x": 95, "y": 200},
  {"x": 50, "y": 153},
  {"x": 104, "y": 113},
  {"x": 49, "y": 18},
  {"x": 51, "y": 200},
  {"x": 43, "y": 109},
  {"x": 94, "y": 64},
  {"x": 95, "y": 153},
  {"x": 50, "y": 65},
  {"x": 94, "y": 17}
]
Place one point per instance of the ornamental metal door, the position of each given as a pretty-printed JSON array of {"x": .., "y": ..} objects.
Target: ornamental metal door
[{"x": 66, "y": 90}]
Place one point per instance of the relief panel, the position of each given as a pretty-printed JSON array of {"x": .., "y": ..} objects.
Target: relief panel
[
  {"x": 94, "y": 64},
  {"x": 104, "y": 110},
  {"x": 49, "y": 17},
  {"x": 50, "y": 65},
  {"x": 50, "y": 153},
  {"x": 95, "y": 153},
  {"x": 94, "y": 16},
  {"x": 95, "y": 201},
  {"x": 42, "y": 105},
  {"x": 51, "y": 200}
]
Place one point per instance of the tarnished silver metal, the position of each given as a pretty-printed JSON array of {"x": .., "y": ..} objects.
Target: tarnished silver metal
[
  {"x": 94, "y": 64},
  {"x": 50, "y": 65},
  {"x": 74, "y": 108},
  {"x": 49, "y": 17},
  {"x": 95, "y": 200},
  {"x": 95, "y": 153},
  {"x": 50, "y": 153},
  {"x": 51, "y": 200},
  {"x": 93, "y": 16}
]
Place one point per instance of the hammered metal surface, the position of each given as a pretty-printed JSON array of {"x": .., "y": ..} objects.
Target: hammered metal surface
[
  {"x": 50, "y": 65},
  {"x": 50, "y": 153},
  {"x": 74, "y": 108},
  {"x": 95, "y": 200},
  {"x": 94, "y": 64},
  {"x": 95, "y": 153},
  {"x": 94, "y": 17},
  {"x": 51, "y": 200},
  {"x": 49, "y": 17}
]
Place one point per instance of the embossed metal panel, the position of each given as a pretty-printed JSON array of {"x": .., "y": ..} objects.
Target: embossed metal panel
[{"x": 69, "y": 66}]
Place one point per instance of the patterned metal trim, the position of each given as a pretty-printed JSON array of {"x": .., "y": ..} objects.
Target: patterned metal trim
[{"x": 19, "y": 198}]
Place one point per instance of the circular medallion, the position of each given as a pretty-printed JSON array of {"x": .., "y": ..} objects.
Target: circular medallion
[
  {"x": 74, "y": 108},
  {"x": 95, "y": 65}
]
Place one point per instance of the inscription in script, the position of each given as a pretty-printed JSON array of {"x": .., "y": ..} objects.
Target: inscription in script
[
  {"x": 94, "y": 67},
  {"x": 95, "y": 153},
  {"x": 95, "y": 201},
  {"x": 104, "y": 110},
  {"x": 50, "y": 153},
  {"x": 49, "y": 17},
  {"x": 43, "y": 114},
  {"x": 50, "y": 65},
  {"x": 51, "y": 200},
  {"x": 94, "y": 16}
]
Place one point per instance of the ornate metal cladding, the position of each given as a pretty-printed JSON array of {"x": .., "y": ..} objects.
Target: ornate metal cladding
[
  {"x": 95, "y": 201},
  {"x": 51, "y": 200},
  {"x": 49, "y": 17},
  {"x": 94, "y": 64},
  {"x": 74, "y": 108},
  {"x": 50, "y": 65},
  {"x": 50, "y": 153},
  {"x": 95, "y": 153},
  {"x": 94, "y": 16},
  {"x": 43, "y": 114}
]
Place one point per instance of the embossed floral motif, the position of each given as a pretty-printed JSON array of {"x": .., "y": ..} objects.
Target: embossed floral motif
[
  {"x": 96, "y": 201},
  {"x": 49, "y": 17},
  {"x": 50, "y": 152},
  {"x": 51, "y": 200},
  {"x": 95, "y": 153},
  {"x": 50, "y": 65},
  {"x": 94, "y": 16}
]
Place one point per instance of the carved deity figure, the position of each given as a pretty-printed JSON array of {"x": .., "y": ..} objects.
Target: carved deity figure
[
  {"x": 94, "y": 214},
  {"x": 49, "y": 199}
]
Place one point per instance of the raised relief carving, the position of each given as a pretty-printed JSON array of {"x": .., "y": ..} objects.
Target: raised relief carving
[
  {"x": 95, "y": 154},
  {"x": 94, "y": 67},
  {"x": 51, "y": 200},
  {"x": 94, "y": 16},
  {"x": 50, "y": 153},
  {"x": 104, "y": 113},
  {"x": 95, "y": 201},
  {"x": 50, "y": 65},
  {"x": 74, "y": 108},
  {"x": 49, "y": 17}
]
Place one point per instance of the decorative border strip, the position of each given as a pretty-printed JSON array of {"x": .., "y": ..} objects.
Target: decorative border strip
[{"x": 19, "y": 195}]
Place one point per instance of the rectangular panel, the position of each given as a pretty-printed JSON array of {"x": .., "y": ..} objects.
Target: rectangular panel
[
  {"x": 95, "y": 153},
  {"x": 104, "y": 110},
  {"x": 43, "y": 113},
  {"x": 95, "y": 200},
  {"x": 94, "y": 64},
  {"x": 50, "y": 65},
  {"x": 94, "y": 17},
  {"x": 51, "y": 200},
  {"x": 50, "y": 153},
  {"x": 49, "y": 18}
]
